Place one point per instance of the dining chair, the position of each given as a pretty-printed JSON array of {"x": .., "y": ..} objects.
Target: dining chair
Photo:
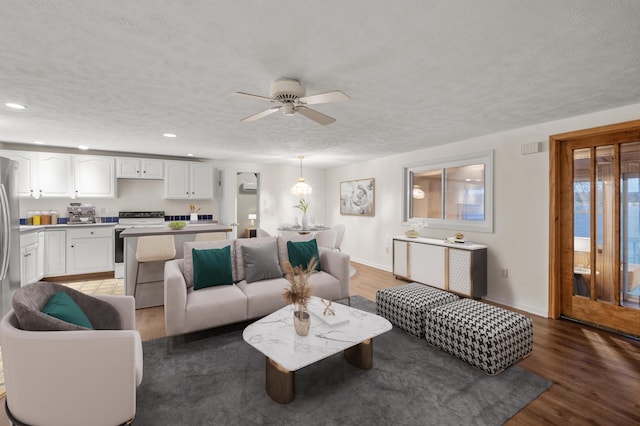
[{"x": 340, "y": 228}]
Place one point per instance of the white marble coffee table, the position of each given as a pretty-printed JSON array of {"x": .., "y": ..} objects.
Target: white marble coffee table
[{"x": 286, "y": 352}]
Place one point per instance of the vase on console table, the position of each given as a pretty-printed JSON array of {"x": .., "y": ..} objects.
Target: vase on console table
[{"x": 305, "y": 221}]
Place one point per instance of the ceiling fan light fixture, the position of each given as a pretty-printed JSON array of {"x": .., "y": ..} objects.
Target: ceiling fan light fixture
[
  {"x": 301, "y": 187},
  {"x": 288, "y": 109},
  {"x": 418, "y": 193}
]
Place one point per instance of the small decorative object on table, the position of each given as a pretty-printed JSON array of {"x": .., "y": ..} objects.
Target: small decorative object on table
[
  {"x": 303, "y": 206},
  {"x": 177, "y": 225},
  {"x": 298, "y": 294},
  {"x": 413, "y": 232}
]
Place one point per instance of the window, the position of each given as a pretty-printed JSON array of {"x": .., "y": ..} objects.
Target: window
[{"x": 453, "y": 193}]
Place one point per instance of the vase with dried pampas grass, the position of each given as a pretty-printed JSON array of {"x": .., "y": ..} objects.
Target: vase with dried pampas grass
[{"x": 298, "y": 293}]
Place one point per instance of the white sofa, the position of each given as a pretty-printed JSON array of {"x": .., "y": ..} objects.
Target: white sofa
[{"x": 187, "y": 310}]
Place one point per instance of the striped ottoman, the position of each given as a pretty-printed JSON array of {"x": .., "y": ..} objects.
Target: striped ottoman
[
  {"x": 405, "y": 306},
  {"x": 487, "y": 337}
]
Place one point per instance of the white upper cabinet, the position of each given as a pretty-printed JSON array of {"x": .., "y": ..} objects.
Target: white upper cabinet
[
  {"x": 54, "y": 175},
  {"x": 27, "y": 171},
  {"x": 94, "y": 176},
  {"x": 140, "y": 168},
  {"x": 188, "y": 180}
]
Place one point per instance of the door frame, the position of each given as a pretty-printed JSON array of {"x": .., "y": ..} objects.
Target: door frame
[{"x": 603, "y": 135}]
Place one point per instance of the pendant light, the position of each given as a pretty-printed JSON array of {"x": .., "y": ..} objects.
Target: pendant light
[{"x": 301, "y": 187}]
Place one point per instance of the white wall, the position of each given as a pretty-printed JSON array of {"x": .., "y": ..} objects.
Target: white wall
[{"x": 521, "y": 207}]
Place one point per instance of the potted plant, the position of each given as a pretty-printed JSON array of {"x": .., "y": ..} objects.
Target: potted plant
[
  {"x": 298, "y": 293},
  {"x": 303, "y": 206}
]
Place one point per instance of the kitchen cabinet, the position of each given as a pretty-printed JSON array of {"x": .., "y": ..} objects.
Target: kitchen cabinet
[
  {"x": 184, "y": 180},
  {"x": 27, "y": 171},
  {"x": 55, "y": 248},
  {"x": 459, "y": 268},
  {"x": 28, "y": 258},
  {"x": 94, "y": 177},
  {"x": 54, "y": 175},
  {"x": 139, "y": 168},
  {"x": 89, "y": 249},
  {"x": 40, "y": 256}
]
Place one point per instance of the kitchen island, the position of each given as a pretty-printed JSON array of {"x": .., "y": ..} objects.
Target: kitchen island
[{"x": 150, "y": 291}]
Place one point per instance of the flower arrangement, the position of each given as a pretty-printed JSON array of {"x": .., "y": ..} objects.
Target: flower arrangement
[
  {"x": 299, "y": 290},
  {"x": 303, "y": 206}
]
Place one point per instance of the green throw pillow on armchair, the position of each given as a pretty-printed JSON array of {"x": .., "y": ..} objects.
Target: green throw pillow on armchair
[
  {"x": 63, "y": 307},
  {"x": 211, "y": 267},
  {"x": 301, "y": 253}
]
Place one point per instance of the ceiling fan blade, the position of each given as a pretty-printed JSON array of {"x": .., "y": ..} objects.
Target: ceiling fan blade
[
  {"x": 261, "y": 114},
  {"x": 323, "y": 98},
  {"x": 255, "y": 96},
  {"x": 316, "y": 116}
]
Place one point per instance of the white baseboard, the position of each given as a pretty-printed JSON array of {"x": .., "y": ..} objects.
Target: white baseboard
[
  {"x": 526, "y": 308},
  {"x": 373, "y": 265}
]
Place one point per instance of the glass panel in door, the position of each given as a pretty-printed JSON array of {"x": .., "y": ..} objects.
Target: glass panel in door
[
  {"x": 582, "y": 222},
  {"x": 630, "y": 225},
  {"x": 605, "y": 220}
]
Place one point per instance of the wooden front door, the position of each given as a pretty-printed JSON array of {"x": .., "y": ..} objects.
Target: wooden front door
[{"x": 595, "y": 226}]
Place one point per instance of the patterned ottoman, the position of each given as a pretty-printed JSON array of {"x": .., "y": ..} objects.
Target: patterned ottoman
[
  {"x": 487, "y": 337},
  {"x": 406, "y": 305}
]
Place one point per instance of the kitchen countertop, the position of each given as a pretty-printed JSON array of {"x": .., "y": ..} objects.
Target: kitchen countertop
[
  {"x": 31, "y": 228},
  {"x": 191, "y": 228}
]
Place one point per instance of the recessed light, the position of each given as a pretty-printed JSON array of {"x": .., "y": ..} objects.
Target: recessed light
[
  {"x": 15, "y": 105},
  {"x": 189, "y": 155},
  {"x": 38, "y": 142},
  {"x": 83, "y": 147},
  {"x": 169, "y": 135}
]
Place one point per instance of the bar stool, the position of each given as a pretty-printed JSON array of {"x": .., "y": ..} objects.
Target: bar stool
[{"x": 157, "y": 248}]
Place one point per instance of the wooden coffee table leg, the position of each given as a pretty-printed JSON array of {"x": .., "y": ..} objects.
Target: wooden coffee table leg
[
  {"x": 361, "y": 355},
  {"x": 280, "y": 383}
]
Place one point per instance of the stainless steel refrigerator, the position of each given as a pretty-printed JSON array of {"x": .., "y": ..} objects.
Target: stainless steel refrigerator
[{"x": 9, "y": 232}]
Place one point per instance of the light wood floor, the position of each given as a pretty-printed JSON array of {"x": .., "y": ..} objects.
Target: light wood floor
[{"x": 596, "y": 373}]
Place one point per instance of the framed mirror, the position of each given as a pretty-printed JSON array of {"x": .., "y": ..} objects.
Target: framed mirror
[{"x": 453, "y": 193}]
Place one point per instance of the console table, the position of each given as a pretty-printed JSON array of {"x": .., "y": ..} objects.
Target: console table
[{"x": 457, "y": 267}]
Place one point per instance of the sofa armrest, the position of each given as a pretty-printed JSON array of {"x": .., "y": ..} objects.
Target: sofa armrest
[
  {"x": 175, "y": 298},
  {"x": 126, "y": 307},
  {"x": 337, "y": 264}
]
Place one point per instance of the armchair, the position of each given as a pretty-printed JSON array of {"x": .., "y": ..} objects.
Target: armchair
[{"x": 77, "y": 377}]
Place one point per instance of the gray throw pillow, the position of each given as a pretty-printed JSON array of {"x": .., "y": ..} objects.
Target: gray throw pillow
[{"x": 261, "y": 262}]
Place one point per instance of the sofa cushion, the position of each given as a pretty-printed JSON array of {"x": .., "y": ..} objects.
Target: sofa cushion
[
  {"x": 211, "y": 267},
  {"x": 239, "y": 244},
  {"x": 261, "y": 261},
  {"x": 62, "y": 306},
  {"x": 264, "y": 298},
  {"x": 214, "y": 307},
  {"x": 283, "y": 252},
  {"x": 28, "y": 301},
  {"x": 203, "y": 245},
  {"x": 301, "y": 253}
]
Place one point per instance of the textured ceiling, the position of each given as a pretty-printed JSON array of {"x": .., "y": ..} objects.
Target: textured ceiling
[{"x": 116, "y": 75}]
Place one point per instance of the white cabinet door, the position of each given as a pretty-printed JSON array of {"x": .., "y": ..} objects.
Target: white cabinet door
[
  {"x": 27, "y": 171},
  {"x": 128, "y": 168},
  {"x": 40, "y": 256},
  {"x": 176, "y": 180},
  {"x": 152, "y": 169},
  {"x": 201, "y": 179},
  {"x": 460, "y": 271},
  {"x": 89, "y": 250},
  {"x": 400, "y": 253},
  {"x": 427, "y": 264},
  {"x": 54, "y": 174},
  {"x": 55, "y": 249},
  {"x": 29, "y": 273},
  {"x": 94, "y": 177}
]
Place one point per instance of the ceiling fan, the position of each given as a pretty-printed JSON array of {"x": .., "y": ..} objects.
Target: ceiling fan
[{"x": 290, "y": 97}]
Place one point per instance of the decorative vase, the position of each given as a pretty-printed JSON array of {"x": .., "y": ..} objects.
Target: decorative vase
[
  {"x": 301, "y": 320},
  {"x": 305, "y": 221},
  {"x": 193, "y": 217},
  {"x": 412, "y": 233}
]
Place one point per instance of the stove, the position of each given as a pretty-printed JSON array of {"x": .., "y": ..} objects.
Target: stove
[{"x": 128, "y": 220}]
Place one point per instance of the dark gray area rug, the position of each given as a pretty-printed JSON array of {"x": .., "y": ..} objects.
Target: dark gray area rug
[{"x": 217, "y": 379}]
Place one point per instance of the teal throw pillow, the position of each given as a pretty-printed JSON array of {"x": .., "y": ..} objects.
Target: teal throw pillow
[
  {"x": 211, "y": 267},
  {"x": 63, "y": 307},
  {"x": 301, "y": 252}
]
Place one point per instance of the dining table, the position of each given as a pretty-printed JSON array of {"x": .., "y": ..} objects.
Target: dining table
[{"x": 302, "y": 230}]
